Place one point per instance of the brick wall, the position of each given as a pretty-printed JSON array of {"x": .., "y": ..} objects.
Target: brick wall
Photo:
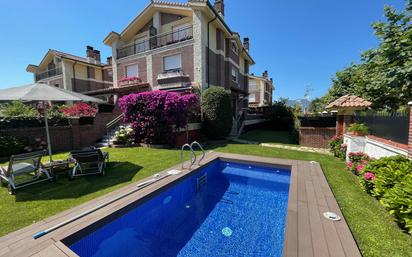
[
  {"x": 141, "y": 63},
  {"x": 70, "y": 137},
  {"x": 316, "y": 137},
  {"x": 187, "y": 62}
]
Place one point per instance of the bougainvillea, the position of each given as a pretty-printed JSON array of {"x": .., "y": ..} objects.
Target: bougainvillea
[
  {"x": 80, "y": 110},
  {"x": 155, "y": 115},
  {"x": 130, "y": 79}
]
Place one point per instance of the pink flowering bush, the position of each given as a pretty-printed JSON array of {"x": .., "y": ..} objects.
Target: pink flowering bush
[
  {"x": 80, "y": 110},
  {"x": 389, "y": 180},
  {"x": 156, "y": 115},
  {"x": 337, "y": 147},
  {"x": 357, "y": 161}
]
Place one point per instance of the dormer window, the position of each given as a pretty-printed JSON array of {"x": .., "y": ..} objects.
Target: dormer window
[{"x": 235, "y": 49}]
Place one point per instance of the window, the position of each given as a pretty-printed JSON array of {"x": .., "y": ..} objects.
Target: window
[
  {"x": 252, "y": 85},
  {"x": 132, "y": 71},
  {"x": 142, "y": 44},
  {"x": 172, "y": 63},
  {"x": 234, "y": 47},
  {"x": 234, "y": 75},
  {"x": 252, "y": 98},
  {"x": 180, "y": 32}
]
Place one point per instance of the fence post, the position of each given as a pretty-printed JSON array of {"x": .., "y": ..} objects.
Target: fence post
[
  {"x": 343, "y": 120},
  {"x": 410, "y": 130}
]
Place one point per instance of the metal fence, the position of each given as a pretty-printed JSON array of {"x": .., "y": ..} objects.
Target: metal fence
[
  {"x": 391, "y": 126},
  {"x": 318, "y": 121}
]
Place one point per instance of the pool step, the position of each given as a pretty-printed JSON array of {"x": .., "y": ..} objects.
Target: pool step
[{"x": 201, "y": 181}]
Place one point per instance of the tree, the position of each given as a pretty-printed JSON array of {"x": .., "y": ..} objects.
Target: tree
[{"x": 384, "y": 75}]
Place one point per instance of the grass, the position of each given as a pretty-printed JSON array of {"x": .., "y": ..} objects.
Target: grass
[
  {"x": 375, "y": 232},
  {"x": 269, "y": 136}
]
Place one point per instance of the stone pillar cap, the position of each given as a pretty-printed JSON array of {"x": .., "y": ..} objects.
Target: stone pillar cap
[{"x": 410, "y": 103}]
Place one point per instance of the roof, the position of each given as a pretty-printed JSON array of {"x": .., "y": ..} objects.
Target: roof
[
  {"x": 64, "y": 55},
  {"x": 349, "y": 101}
]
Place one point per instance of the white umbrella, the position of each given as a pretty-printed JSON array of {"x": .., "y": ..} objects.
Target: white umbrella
[{"x": 43, "y": 92}]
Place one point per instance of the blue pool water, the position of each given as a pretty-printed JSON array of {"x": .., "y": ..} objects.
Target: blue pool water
[{"x": 239, "y": 211}]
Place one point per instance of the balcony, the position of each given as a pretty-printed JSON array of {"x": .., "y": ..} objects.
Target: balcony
[
  {"x": 156, "y": 42},
  {"x": 48, "y": 74}
]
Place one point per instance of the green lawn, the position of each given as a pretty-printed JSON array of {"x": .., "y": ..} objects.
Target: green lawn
[
  {"x": 371, "y": 225},
  {"x": 269, "y": 136}
]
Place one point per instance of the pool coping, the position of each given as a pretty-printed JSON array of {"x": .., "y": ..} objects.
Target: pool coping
[{"x": 307, "y": 232}]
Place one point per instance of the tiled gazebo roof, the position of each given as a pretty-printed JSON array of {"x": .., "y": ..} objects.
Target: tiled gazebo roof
[{"x": 349, "y": 102}]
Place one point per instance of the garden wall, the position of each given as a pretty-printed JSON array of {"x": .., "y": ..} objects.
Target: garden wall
[
  {"x": 316, "y": 136},
  {"x": 373, "y": 146},
  {"x": 67, "y": 138}
]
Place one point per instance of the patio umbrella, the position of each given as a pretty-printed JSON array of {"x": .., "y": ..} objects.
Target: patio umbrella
[{"x": 45, "y": 93}]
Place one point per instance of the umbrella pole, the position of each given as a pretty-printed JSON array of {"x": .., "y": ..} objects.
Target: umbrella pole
[{"x": 47, "y": 131}]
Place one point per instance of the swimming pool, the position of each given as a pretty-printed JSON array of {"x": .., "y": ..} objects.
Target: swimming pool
[{"x": 223, "y": 209}]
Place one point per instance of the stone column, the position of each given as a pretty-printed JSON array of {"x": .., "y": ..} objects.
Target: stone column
[
  {"x": 343, "y": 121},
  {"x": 410, "y": 131}
]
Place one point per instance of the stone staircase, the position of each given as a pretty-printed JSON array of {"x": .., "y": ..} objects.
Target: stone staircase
[{"x": 111, "y": 129}]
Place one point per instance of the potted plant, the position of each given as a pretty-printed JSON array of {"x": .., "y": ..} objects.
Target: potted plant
[{"x": 358, "y": 129}]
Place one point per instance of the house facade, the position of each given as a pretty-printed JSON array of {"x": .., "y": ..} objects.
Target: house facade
[
  {"x": 260, "y": 90},
  {"x": 181, "y": 46},
  {"x": 75, "y": 73}
]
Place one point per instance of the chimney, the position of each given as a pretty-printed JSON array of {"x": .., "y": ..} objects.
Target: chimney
[
  {"x": 246, "y": 43},
  {"x": 109, "y": 60},
  {"x": 265, "y": 74},
  {"x": 220, "y": 7},
  {"x": 89, "y": 52},
  {"x": 96, "y": 54}
]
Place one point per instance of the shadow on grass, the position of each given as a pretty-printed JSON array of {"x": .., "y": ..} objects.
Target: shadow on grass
[
  {"x": 115, "y": 173},
  {"x": 270, "y": 136}
]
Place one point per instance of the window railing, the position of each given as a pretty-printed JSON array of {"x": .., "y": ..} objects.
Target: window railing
[
  {"x": 157, "y": 41},
  {"x": 48, "y": 74}
]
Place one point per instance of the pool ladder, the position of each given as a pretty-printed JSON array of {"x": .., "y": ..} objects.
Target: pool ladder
[{"x": 193, "y": 156}]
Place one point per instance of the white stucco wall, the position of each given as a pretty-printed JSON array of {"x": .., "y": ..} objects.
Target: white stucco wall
[{"x": 372, "y": 148}]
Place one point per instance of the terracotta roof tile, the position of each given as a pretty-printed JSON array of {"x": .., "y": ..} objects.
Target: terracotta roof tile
[{"x": 348, "y": 101}]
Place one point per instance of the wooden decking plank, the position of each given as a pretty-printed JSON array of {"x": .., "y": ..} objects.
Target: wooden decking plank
[
  {"x": 301, "y": 183},
  {"x": 304, "y": 235},
  {"x": 318, "y": 236},
  {"x": 65, "y": 249},
  {"x": 51, "y": 251},
  {"x": 332, "y": 237},
  {"x": 319, "y": 193},
  {"x": 291, "y": 243},
  {"x": 345, "y": 235}
]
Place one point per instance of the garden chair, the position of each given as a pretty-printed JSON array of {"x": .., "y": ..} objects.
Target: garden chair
[
  {"x": 88, "y": 162},
  {"x": 26, "y": 167}
]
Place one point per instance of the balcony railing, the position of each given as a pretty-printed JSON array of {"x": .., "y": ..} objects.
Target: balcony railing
[
  {"x": 156, "y": 42},
  {"x": 48, "y": 74}
]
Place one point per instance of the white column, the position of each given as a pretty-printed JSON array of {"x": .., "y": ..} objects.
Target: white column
[
  {"x": 149, "y": 70},
  {"x": 67, "y": 70},
  {"x": 115, "y": 45}
]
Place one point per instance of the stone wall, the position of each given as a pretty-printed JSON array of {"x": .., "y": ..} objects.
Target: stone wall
[{"x": 316, "y": 137}]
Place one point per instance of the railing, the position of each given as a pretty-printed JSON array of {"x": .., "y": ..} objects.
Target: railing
[
  {"x": 48, "y": 74},
  {"x": 157, "y": 41},
  {"x": 111, "y": 125},
  {"x": 192, "y": 156}
]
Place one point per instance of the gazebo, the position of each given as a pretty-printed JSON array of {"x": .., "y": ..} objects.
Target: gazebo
[{"x": 345, "y": 107}]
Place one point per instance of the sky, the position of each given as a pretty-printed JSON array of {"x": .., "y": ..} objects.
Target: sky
[{"x": 302, "y": 43}]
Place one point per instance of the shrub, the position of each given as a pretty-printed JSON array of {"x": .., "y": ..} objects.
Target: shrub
[
  {"x": 281, "y": 116},
  {"x": 10, "y": 145},
  {"x": 155, "y": 115},
  {"x": 17, "y": 109},
  {"x": 79, "y": 110},
  {"x": 359, "y": 129},
  {"x": 389, "y": 179},
  {"x": 337, "y": 148},
  {"x": 217, "y": 112},
  {"x": 357, "y": 162},
  {"x": 124, "y": 136}
]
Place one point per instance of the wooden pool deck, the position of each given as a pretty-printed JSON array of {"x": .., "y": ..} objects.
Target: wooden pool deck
[{"x": 308, "y": 233}]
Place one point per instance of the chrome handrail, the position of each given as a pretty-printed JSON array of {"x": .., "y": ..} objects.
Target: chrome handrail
[
  {"x": 192, "y": 160},
  {"x": 201, "y": 148}
]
